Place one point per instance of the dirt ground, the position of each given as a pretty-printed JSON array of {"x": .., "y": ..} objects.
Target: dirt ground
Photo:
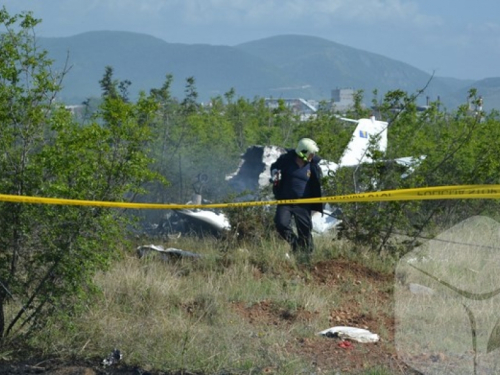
[{"x": 324, "y": 353}]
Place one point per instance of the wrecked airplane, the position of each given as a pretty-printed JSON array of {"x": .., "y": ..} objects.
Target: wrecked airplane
[{"x": 253, "y": 175}]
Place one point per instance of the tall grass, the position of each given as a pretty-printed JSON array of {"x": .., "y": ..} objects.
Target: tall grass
[{"x": 188, "y": 314}]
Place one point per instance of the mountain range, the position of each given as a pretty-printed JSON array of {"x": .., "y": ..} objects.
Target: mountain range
[{"x": 286, "y": 66}]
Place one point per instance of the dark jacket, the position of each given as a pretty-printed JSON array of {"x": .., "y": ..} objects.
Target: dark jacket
[{"x": 315, "y": 179}]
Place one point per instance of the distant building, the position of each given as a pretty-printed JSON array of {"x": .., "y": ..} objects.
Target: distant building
[{"x": 342, "y": 99}]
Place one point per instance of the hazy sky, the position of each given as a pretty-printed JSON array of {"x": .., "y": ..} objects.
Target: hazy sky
[{"x": 454, "y": 38}]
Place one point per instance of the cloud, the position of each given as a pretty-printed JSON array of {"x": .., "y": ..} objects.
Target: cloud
[
  {"x": 312, "y": 14},
  {"x": 272, "y": 11},
  {"x": 254, "y": 12}
]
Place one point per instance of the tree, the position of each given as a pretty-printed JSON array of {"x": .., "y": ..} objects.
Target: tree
[
  {"x": 49, "y": 253},
  {"x": 459, "y": 149}
]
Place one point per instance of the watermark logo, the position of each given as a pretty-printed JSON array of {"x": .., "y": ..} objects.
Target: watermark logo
[{"x": 447, "y": 301}]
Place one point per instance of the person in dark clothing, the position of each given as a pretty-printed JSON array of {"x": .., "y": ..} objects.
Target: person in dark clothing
[{"x": 295, "y": 175}]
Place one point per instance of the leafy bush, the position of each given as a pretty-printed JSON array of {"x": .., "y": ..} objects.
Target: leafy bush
[{"x": 50, "y": 253}]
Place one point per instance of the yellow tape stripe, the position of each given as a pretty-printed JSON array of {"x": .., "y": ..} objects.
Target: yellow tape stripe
[{"x": 429, "y": 193}]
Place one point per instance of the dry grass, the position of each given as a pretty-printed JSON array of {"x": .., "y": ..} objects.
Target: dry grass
[{"x": 243, "y": 311}]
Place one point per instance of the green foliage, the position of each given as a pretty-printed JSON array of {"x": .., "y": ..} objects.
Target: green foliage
[
  {"x": 249, "y": 223},
  {"x": 49, "y": 254},
  {"x": 189, "y": 140},
  {"x": 248, "y": 119},
  {"x": 458, "y": 148}
]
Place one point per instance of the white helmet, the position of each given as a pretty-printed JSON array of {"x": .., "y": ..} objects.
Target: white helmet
[{"x": 306, "y": 147}]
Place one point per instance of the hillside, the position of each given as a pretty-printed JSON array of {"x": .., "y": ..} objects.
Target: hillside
[
  {"x": 321, "y": 63},
  {"x": 273, "y": 320},
  {"x": 145, "y": 61},
  {"x": 281, "y": 66},
  {"x": 489, "y": 89}
]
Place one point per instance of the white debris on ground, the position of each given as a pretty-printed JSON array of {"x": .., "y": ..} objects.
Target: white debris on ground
[
  {"x": 351, "y": 333},
  {"x": 114, "y": 357},
  {"x": 170, "y": 253}
]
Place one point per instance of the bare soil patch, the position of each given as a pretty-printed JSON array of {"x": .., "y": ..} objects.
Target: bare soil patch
[{"x": 328, "y": 353}]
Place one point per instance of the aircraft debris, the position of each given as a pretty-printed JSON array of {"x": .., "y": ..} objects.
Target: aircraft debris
[
  {"x": 330, "y": 219},
  {"x": 351, "y": 333},
  {"x": 115, "y": 357},
  {"x": 176, "y": 223},
  {"x": 217, "y": 221},
  {"x": 253, "y": 175},
  {"x": 254, "y": 171},
  {"x": 168, "y": 254}
]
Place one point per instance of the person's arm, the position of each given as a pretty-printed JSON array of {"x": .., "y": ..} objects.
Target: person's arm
[
  {"x": 276, "y": 176},
  {"x": 276, "y": 166}
]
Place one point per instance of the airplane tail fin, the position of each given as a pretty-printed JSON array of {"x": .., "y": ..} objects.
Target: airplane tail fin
[{"x": 356, "y": 151}]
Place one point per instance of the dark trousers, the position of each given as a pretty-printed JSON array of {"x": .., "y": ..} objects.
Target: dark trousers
[{"x": 302, "y": 241}]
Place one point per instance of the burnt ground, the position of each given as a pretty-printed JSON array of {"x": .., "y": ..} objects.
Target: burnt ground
[{"x": 324, "y": 353}]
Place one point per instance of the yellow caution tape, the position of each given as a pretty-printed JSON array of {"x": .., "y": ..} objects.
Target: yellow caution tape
[{"x": 429, "y": 193}]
